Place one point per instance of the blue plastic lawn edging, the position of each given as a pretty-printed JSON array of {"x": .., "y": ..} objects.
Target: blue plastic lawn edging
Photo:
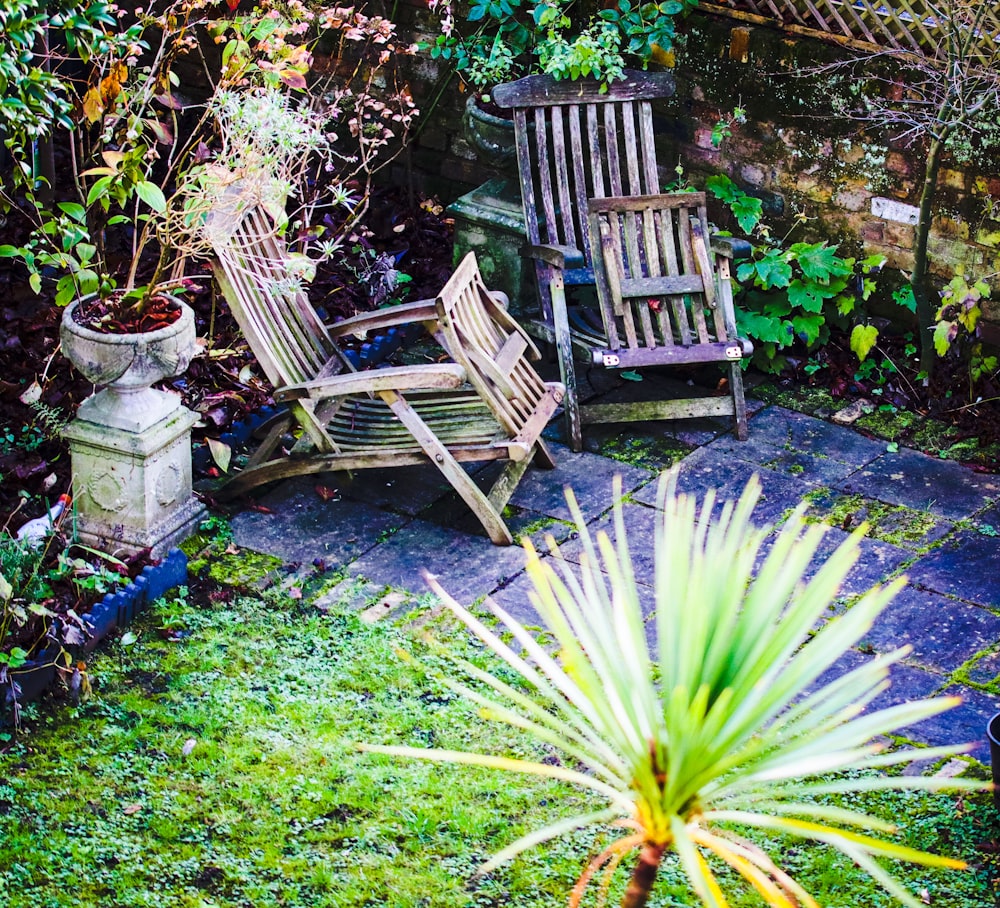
[
  {"x": 119, "y": 608},
  {"x": 115, "y": 610}
]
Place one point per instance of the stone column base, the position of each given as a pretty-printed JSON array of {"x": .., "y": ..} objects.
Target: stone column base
[
  {"x": 132, "y": 489},
  {"x": 489, "y": 221}
]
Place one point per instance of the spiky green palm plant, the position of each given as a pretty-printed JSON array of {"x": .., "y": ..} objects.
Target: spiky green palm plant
[{"x": 722, "y": 722}]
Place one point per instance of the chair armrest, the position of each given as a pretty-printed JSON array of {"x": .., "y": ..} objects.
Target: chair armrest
[
  {"x": 396, "y": 378},
  {"x": 565, "y": 258},
  {"x": 730, "y": 246},
  {"x": 403, "y": 314}
]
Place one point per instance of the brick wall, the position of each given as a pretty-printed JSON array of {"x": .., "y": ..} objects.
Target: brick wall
[{"x": 852, "y": 186}]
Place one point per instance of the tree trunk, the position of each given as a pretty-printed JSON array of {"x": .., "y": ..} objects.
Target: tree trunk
[
  {"x": 919, "y": 279},
  {"x": 643, "y": 876}
]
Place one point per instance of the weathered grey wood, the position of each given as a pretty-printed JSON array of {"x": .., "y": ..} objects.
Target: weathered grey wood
[
  {"x": 398, "y": 378},
  {"x": 664, "y": 302},
  {"x": 585, "y": 142},
  {"x": 544, "y": 91},
  {"x": 649, "y": 411},
  {"x": 488, "y": 404}
]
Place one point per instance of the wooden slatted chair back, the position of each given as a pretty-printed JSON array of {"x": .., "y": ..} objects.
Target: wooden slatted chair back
[
  {"x": 575, "y": 143},
  {"x": 657, "y": 288},
  {"x": 284, "y": 331},
  {"x": 494, "y": 350}
]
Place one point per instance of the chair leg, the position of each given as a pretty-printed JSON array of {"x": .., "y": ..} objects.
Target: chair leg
[
  {"x": 739, "y": 401},
  {"x": 277, "y": 430},
  {"x": 542, "y": 456},
  {"x": 567, "y": 368},
  {"x": 440, "y": 456}
]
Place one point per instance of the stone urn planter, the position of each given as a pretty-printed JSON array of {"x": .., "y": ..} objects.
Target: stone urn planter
[
  {"x": 490, "y": 135},
  {"x": 489, "y": 220},
  {"x": 131, "y": 443},
  {"x": 127, "y": 365}
]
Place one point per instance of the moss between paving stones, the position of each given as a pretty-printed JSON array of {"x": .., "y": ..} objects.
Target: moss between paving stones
[
  {"x": 901, "y": 426},
  {"x": 895, "y": 524},
  {"x": 645, "y": 451}
]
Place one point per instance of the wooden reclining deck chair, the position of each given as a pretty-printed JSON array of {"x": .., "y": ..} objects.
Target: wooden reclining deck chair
[
  {"x": 576, "y": 142},
  {"x": 488, "y": 404},
  {"x": 665, "y": 300}
]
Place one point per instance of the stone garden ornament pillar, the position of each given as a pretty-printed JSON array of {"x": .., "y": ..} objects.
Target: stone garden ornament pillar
[
  {"x": 131, "y": 444},
  {"x": 489, "y": 219}
]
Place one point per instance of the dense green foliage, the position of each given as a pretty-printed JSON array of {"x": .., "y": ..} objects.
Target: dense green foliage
[
  {"x": 214, "y": 765},
  {"x": 792, "y": 293}
]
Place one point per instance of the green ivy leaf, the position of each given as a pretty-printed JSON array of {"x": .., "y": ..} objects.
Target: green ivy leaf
[
  {"x": 74, "y": 210},
  {"x": 807, "y": 296},
  {"x": 820, "y": 261},
  {"x": 863, "y": 338},
  {"x": 723, "y": 188},
  {"x": 808, "y": 328},
  {"x": 152, "y": 195},
  {"x": 760, "y": 327},
  {"x": 747, "y": 211},
  {"x": 944, "y": 334},
  {"x": 771, "y": 270}
]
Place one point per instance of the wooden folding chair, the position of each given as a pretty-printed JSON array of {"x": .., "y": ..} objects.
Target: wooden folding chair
[
  {"x": 666, "y": 299},
  {"x": 487, "y": 404},
  {"x": 576, "y": 141}
]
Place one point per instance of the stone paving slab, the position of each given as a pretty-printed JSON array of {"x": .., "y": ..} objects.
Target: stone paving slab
[
  {"x": 966, "y": 723},
  {"x": 817, "y": 446},
  {"x": 589, "y": 475},
  {"x": 640, "y": 530},
  {"x": 986, "y": 669},
  {"x": 877, "y": 561},
  {"x": 711, "y": 468},
  {"x": 918, "y": 481},
  {"x": 967, "y": 565},
  {"x": 466, "y": 566},
  {"x": 943, "y": 632},
  {"x": 300, "y": 527},
  {"x": 407, "y": 490},
  {"x": 910, "y": 529}
]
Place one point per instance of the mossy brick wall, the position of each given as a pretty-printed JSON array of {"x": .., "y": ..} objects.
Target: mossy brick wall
[
  {"x": 815, "y": 171},
  {"x": 801, "y": 158}
]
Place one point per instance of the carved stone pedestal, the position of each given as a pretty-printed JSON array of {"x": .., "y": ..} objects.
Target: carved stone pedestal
[
  {"x": 132, "y": 478},
  {"x": 490, "y": 222}
]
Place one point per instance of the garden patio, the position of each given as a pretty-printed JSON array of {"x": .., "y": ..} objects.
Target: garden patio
[{"x": 739, "y": 415}]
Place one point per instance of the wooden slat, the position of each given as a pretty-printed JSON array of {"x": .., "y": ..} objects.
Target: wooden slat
[
  {"x": 579, "y": 171},
  {"x": 551, "y": 234},
  {"x": 560, "y": 153},
  {"x": 534, "y": 91}
]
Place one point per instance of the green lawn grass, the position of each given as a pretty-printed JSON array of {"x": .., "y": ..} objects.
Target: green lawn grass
[{"x": 215, "y": 765}]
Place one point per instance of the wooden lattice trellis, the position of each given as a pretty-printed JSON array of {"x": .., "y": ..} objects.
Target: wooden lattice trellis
[{"x": 913, "y": 26}]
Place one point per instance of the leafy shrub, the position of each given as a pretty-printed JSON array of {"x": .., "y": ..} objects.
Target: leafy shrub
[
  {"x": 790, "y": 294},
  {"x": 712, "y": 716},
  {"x": 957, "y": 327}
]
